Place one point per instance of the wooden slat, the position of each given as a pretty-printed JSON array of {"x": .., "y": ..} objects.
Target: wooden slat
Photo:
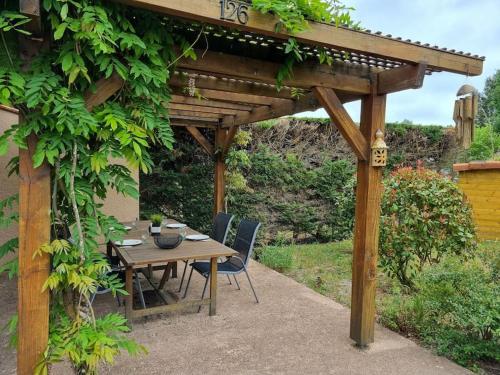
[
  {"x": 233, "y": 97},
  {"x": 403, "y": 78},
  {"x": 179, "y": 99},
  {"x": 207, "y": 120},
  {"x": 366, "y": 230},
  {"x": 191, "y": 115},
  {"x": 349, "y": 79},
  {"x": 343, "y": 121},
  {"x": 306, "y": 103},
  {"x": 34, "y": 231},
  {"x": 104, "y": 89},
  {"x": 180, "y": 80},
  {"x": 200, "y": 109},
  {"x": 319, "y": 34},
  {"x": 200, "y": 138},
  {"x": 196, "y": 124}
]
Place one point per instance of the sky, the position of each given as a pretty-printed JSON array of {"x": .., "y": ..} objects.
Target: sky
[{"x": 465, "y": 25}]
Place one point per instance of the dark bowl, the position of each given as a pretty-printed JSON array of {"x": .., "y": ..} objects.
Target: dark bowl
[{"x": 169, "y": 241}]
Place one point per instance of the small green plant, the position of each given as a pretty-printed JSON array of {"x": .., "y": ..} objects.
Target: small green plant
[
  {"x": 455, "y": 308},
  {"x": 277, "y": 258},
  {"x": 156, "y": 220},
  {"x": 424, "y": 217}
]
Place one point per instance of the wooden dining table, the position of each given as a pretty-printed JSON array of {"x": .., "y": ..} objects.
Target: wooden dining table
[{"x": 147, "y": 256}]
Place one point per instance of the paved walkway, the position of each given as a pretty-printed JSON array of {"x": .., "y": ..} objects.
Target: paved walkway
[{"x": 294, "y": 330}]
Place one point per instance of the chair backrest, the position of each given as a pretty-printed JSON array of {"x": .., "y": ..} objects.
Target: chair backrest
[
  {"x": 220, "y": 227},
  {"x": 245, "y": 239}
]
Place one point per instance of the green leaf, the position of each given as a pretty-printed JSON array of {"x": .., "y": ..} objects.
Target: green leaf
[
  {"x": 67, "y": 62},
  {"x": 59, "y": 33}
]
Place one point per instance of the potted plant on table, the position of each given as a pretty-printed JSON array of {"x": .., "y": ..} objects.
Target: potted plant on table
[{"x": 155, "y": 226}]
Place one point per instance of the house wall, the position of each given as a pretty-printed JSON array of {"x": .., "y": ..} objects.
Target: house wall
[
  {"x": 482, "y": 188},
  {"x": 124, "y": 209}
]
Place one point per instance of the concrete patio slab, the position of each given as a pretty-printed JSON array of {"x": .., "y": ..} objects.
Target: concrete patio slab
[{"x": 293, "y": 330}]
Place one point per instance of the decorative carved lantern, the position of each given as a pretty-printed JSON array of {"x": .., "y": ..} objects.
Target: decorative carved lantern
[{"x": 379, "y": 151}]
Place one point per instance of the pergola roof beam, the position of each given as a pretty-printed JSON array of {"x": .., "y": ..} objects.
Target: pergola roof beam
[
  {"x": 321, "y": 34},
  {"x": 306, "y": 103},
  {"x": 194, "y": 101},
  {"x": 202, "y": 81},
  {"x": 307, "y": 75}
]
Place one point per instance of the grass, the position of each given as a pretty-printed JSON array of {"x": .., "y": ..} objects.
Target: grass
[{"x": 326, "y": 268}]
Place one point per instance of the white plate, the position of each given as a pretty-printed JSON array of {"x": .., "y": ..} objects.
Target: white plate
[
  {"x": 128, "y": 243},
  {"x": 197, "y": 237},
  {"x": 176, "y": 226}
]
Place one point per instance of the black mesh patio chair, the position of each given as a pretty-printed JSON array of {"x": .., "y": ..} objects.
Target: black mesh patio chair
[
  {"x": 220, "y": 230},
  {"x": 243, "y": 244}
]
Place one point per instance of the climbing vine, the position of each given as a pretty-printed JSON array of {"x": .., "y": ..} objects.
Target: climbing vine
[{"x": 86, "y": 42}]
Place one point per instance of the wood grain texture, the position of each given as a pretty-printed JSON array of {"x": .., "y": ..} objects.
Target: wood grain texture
[
  {"x": 346, "y": 126},
  {"x": 480, "y": 182},
  {"x": 399, "y": 79},
  {"x": 273, "y": 110},
  {"x": 180, "y": 81},
  {"x": 200, "y": 138},
  {"x": 366, "y": 230},
  {"x": 34, "y": 231},
  {"x": 220, "y": 170},
  {"x": 213, "y": 286},
  {"x": 306, "y": 75},
  {"x": 319, "y": 34},
  {"x": 104, "y": 89}
]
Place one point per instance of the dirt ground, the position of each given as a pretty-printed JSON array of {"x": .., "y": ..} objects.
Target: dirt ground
[{"x": 293, "y": 330}]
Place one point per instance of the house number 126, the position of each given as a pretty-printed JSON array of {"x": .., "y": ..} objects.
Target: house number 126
[{"x": 233, "y": 11}]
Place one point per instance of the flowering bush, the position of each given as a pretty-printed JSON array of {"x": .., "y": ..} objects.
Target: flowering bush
[{"x": 424, "y": 217}]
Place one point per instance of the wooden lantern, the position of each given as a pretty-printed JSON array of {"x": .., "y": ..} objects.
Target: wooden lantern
[{"x": 379, "y": 151}]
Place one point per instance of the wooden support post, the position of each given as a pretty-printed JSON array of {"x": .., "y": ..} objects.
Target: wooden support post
[
  {"x": 220, "y": 168},
  {"x": 34, "y": 231},
  {"x": 366, "y": 231}
]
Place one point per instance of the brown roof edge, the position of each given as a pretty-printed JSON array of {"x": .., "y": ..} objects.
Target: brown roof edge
[
  {"x": 476, "y": 166},
  {"x": 9, "y": 109}
]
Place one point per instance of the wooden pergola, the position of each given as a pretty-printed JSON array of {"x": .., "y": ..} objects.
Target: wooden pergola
[{"x": 235, "y": 76}]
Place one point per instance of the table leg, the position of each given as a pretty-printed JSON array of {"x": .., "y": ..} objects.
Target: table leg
[
  {"x": 166, "y": 275},
  {"x": 174, "y": 270},
  {"x": 213, "y": 286},
  {"x": 129, "y": 299}
]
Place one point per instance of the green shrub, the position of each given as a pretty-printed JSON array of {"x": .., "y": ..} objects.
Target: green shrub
[
  {"x": 335, "y": 183},
  {"x": 424, "y": 217},
  {"x": 486, "y": 144},
  {"x": 455, "y": 308},
  {"x": 277, "y": 258}
]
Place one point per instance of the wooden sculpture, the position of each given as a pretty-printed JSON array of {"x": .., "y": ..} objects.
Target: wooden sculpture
[{"x": 466, "y": 108}]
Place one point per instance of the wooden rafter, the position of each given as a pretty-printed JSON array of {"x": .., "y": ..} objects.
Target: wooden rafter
[
  {"x": 180, "y": 80},
  {"x": 200, "y": 138},
  {"x": 202, "y": 110},
  {"x": 233, "y": 97},
  {"x": 306, "y": 103},
  {"x": 320, "y": 34},
  {"x": 203, "y": 116},
  {"x": 343, "y": 121},
  {"x": 194, "y": 123},
  {"x": 104, "y": 89},
  {"x": 403, "y": 78},
  {"x": 194, "y": 101},
  {"x": 307, "y": 75}
]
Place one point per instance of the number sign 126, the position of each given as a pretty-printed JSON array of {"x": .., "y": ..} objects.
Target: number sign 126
[{"x": 234, "y": 11}]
